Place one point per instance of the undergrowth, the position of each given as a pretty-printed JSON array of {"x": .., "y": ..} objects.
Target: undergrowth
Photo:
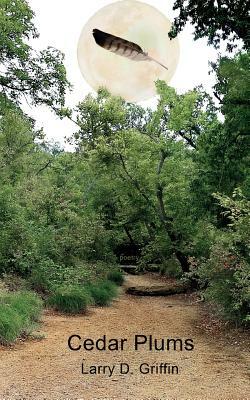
[{"x": 19, "y": 314}]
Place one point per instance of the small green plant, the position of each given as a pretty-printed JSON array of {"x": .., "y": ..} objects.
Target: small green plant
[
  {"x": 116, "y": 276},
  {"x": 70, "y": 299},
  {"x": 19, "y": 313},
  {"x": 102, "y": 292}
]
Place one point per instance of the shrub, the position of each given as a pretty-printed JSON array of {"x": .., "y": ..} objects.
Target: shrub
[
  {"x": 27, "y": 304},
  {"x": 14, "y": 283},
  {"x": 46, "y": 275},
  {"x": 225, "y": 273},
  {"x": 18, "y": 313},
  {"x": 110, "y": 287},
  {"x": 102, "y": 292},
  {"x": 70, "y": 299},
  {"x": 229, "y": 285},
  {"x": 225, "y": 276},
  {"x": 171, "y": 268},
  {"x": 11, "y": 324},
  {"x": 116, "y": 276}
]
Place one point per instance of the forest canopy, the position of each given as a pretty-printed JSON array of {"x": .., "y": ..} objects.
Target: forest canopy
[{"x": 221, "y": 20}]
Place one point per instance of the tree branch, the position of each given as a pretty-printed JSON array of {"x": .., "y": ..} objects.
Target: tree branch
[
  {"x": 188, "y": 139},
  {"x": 134, "y": 181},
  {"x": 44, "y": 167}
]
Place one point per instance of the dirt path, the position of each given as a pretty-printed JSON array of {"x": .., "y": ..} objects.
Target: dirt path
[{"x": 47, "y": 369}]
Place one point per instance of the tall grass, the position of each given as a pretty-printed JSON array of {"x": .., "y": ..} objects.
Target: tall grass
[
  {"x": 70, "y": 299},
  {"x": 19, "y": 313},
  {"x": 116, "y": 276},
  {"x": 103, "y": 292}
]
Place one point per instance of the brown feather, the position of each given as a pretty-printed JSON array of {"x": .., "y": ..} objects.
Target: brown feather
[{"x": 122, "y": 47}]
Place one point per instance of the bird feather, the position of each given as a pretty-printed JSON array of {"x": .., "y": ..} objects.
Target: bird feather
[{"x": 122, "y": 47}]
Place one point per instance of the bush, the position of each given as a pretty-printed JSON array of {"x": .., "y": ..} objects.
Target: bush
[
  {"x": 47, "y": 275},
  {"x": 229, "y": 285},
  {"x": 171, "y": 268},
  {"x": 225, "y": 277},
  {"x": 11, "y": 324},
  {"x": 70, "y": 299},
  {"x": 225, "y": 273},
  {"x": 110, "y": 287},
  {"x": 14, "y": 283},
  {"x": 103, "y": 292},
  {"x": 27, "y": 304},
  {"x": 18, "y": 313},
  {"x": 116, "y": 276}
]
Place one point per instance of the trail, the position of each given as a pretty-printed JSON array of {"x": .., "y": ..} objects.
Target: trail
[{"x": 47, "y": 369}]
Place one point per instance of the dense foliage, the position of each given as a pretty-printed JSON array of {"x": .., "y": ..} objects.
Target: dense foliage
[
  {"x": 173, "y": 181},
  {"x": 24, "y": 72},
  {"x": 217, "y": 20}
]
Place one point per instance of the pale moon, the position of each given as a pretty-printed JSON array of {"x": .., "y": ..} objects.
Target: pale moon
[{"x": 137, "y": 22}]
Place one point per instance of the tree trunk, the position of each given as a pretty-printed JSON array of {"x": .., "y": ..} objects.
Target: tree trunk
[
  {"x": 183, "y": 260},
  {"x": 167, "y": 222},
  {"x": 128, "y": 234}
]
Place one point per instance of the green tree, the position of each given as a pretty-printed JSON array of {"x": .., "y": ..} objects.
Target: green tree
[
  {"x": 104, "y": 115},
  {"x": 223, "y": 150},
  {"x": 137, "y": 157},
  {"x": 24, "y": 72},
  {"x": 217, "y": 20}
]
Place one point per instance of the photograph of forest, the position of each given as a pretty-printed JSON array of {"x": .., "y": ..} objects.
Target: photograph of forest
[{"x": 139, "y": 225}]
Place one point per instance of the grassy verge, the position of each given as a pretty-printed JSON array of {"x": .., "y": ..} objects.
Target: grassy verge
[
  {"x": 103, "y": 292},
  {"x": 70, "y": 299},
  {"x": 65, "y": 289},
  {"x": 72, "y": 290},
  {"x": 116, "y": 276},
  {"x": 19, "y": 313}
]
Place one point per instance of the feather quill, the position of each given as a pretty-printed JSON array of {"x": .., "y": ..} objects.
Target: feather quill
[{"x": 122, "y": 47}]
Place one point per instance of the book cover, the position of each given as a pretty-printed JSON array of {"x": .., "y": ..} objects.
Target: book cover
[{"x": 124, "y": 200}]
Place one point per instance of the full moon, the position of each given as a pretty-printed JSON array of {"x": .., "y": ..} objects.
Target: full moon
[{"x": 139, "y": 23}]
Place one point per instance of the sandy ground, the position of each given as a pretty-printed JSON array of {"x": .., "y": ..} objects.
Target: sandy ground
[{"x": 47, "y": 369}]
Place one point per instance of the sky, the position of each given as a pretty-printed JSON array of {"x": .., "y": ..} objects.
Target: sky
[{"x": 60, "y": 23}]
